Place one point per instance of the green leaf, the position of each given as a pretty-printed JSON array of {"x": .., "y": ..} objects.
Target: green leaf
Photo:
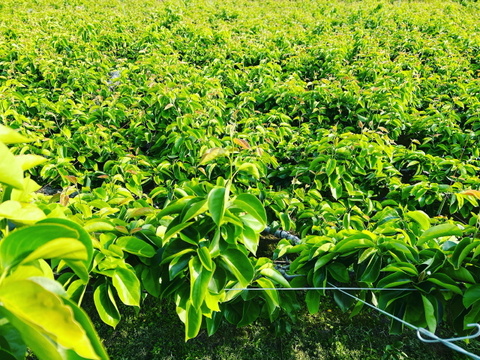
[
  {"x": 275, "y": 276},
  {"x": 34, "y": 338},
  {"x": 323, "y": 260},
  {"x": 394, "y": 280},
  {"x": 29, "y": 161},
  {"x": 136, "y": 246},
  {"x": 10, "y": 169},
  {"x": 19, "y": 212},
  {"x": 193, "y": 321},
  {"x": 176, "y": 207},
  {"x": 82, "y": 236},
  {"x": 445, "y": 281},
  {"x": 60, "y": 248},
  {"x": 199, "y": 280},
  {"x": 35, "y": 306},
  {"x": 472, "y": 317},
  {"x": 216, "y": 204},
  {"x": 350, "y": 244},
  {"x": 214, "y": 323},
  {"x": 372, "y": 271},
  {"x": 175, "y": 230},
  {"x": 330, "y": 166},
  {"x": 195, "y": 209},
  {"x": 313, "y": 301},
  {"x": 250, "y": 169},
  {"x": 10, "y": 136},
  {"x": 13, "y": 342},
  {"x": 205, "y": 258},
  {"x": 420, "y": 217},
  {"x": 429, "y": 312},
  {"x": 237, "y": 263},
  {"x": 127, "y": 285},
  {"x": 20, "y": 244},
  {"x": 250, "y": 239},
  {"x": 97, "y": 225},
  {"x": 471, "y": 296},
  {"x": 7, "y": 355},
  {"x": 250, "y": 312},
  {"x": 270, "y": 294},
  {"x": 339, "y": 272},
  {"x": 106, "y": 306},
  {"x": 461, "y": 251},
  {"x": 251, "y": 205},
  {"x": 439, "y": 231},
  {"x": 87, "y": 325},
  {"x": 212, "y": 154}
]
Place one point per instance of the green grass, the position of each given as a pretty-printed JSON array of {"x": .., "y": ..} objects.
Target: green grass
[{"x": 157, "y": 333}]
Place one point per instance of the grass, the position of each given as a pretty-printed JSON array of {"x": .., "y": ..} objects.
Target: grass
[{"x": 156, "y": 333}]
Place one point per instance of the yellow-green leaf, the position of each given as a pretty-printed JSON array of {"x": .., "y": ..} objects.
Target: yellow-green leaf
[
  {"x": 29, "y": 161},
  {"x": 10, "y": 169},
  {"x": 33, "y": 304},
  {"x": 10, "y": 136}
]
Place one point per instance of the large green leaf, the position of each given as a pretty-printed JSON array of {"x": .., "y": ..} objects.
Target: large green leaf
[
  {"x": 10, "y": 136},
  {"x": 29, "y": 161},
  {"x": 205, "y": 258},
  {"x": 82, "y": 235},
  {"x": 33, "y": 242},
  {"x": 136, "y": 246},
  {"x": 445, "y": 281},
  {"x": 270, "y": 294},
  {"x": 339, "y": 272},
  {"x": 251, "y": 205},
  {"x": 250, "y": 239},
  {"x": 193, "y": 321},
  {"x": 37, "y": 307},
  {"x": 34, "y": 338},
  {"x": 471, "y": 296},
  {"x": 13, "y": 342},
  {"x": 127, "y": 285},
  {"x": 439, "y": 231},
  {"x": 313, "y": 301},
  {"x": 463, "y": 249},
  {"x": 237, "y": 263},
  {"x": 87, "y": 325},
  {"x": 20, "y": 212},
  {"x": 217, "y": 204},
  {"x": 420, "y": 217},
  {"x": 429, "y": 312},
  {"x": 11, "y": 172},
  {"x": 250, "y": 313},
  {"x": 106, "y": 306},
  {"x": 199, "y": 280},
  {"x": 275, "y": 275}
]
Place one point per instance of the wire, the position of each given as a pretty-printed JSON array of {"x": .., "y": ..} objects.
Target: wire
[{"x": 420, "y": 331}]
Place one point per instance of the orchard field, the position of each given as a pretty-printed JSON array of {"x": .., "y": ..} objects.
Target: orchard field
[{"x": 145, "y": 146}]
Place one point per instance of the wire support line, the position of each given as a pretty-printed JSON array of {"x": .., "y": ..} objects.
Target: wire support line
[
  {"x": 432, "y": 338},
  {"x": 422, "y": 331},
  {"x": 327, "y": 288}
]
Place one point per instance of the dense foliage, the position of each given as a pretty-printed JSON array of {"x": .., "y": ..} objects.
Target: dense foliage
[{"x": 175, "y": 132}]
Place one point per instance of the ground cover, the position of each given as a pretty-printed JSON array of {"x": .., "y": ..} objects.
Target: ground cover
[{"x": 175, "y": 132}]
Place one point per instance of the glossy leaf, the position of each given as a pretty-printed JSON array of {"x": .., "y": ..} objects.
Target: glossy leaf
[
  {"x": 217, "y": 204},
  {"x": 11, "y": 172},
  {"x": 127, "y": 286},
  {"x": 439, "y": 231},
  {"x": 105, "y": 305},
  {"x": 136, "y": 246},
  {"x": 30, "y": 303},
  {"x": 239, "y": 265}
]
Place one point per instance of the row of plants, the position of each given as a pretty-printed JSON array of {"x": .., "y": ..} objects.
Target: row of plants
[{"x": 174, "y": 136}]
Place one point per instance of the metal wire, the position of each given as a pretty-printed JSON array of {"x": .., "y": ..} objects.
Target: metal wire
[{"x": 420, "y": 331}]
